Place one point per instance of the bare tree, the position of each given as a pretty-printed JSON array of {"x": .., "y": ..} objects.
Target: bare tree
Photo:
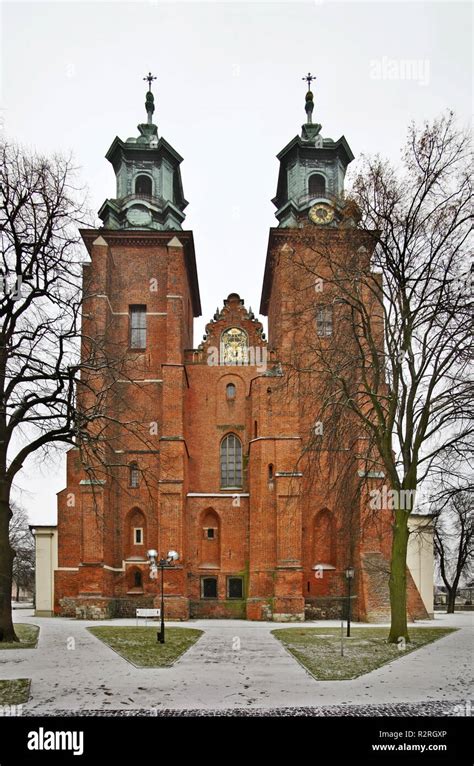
[
  {"x": 58, "y": 367},
  {"x": 23, "y": 547},
  {"x": 39, "y": 306},
  {"x": 49, "y": 391},
  {"x": 454, "y": 542},
  {"x": 391, "y": 381}
]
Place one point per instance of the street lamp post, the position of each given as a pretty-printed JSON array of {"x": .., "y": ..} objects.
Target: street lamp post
[
  {"x": 154, "y": 566},
  {"x": 349, "y": 573}
]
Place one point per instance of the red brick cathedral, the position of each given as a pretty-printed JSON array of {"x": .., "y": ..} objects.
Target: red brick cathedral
[{"x": 212, "y": 464}]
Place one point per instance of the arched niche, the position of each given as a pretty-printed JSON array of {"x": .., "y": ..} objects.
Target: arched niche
[
  {"x": 135, "y": 535},
  {"x": 324, "y": 544},
  {"x": 210, "y": 540}
]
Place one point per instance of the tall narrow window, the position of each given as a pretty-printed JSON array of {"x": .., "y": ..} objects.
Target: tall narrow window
[
  {"x": 230, "y": 392},
  {"x": 134, "y": 475},
  {"x": 231, "y": 462},
  {"x": 137, "y": 326},
  {"x": 317, "y": 185},
  {"x": 324, "y": 321}
]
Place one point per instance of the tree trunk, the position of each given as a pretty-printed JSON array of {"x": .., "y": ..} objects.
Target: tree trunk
[
  {"x": 398, "y": 579},
  {"x": 7, "y": 631},
  {"x": 17, "y": 599},
  {"x": 451, "y": 601}
]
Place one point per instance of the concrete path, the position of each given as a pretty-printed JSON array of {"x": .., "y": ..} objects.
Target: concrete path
[{"x": 235, "y": 664}]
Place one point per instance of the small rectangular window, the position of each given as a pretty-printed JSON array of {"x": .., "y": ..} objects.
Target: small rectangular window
[
  {"x": 324, "y": 321},
  {"x": 235, "y": 587},
  {"x": 210, "y": 533},
  {"x": 137, "y": 326},
  {"x": 208, "y": 587},
  {"x": 138, "y": 536}
]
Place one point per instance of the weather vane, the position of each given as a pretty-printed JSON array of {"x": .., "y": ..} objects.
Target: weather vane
[
  {"x": 150, "y": 79},
  {"x": 309, "y": 78}
]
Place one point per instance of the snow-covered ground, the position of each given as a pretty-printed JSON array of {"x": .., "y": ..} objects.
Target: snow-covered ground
[{"x": 235, "y": 664}]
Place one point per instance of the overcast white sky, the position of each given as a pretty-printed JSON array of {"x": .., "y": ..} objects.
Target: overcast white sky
[{"x": 229, "y": 96}]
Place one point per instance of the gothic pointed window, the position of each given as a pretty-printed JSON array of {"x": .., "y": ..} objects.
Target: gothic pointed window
[
  {"x": 317, "y": 185},
  {"x": 231, "y": 462},
  {"x": 143, "y": 186}
]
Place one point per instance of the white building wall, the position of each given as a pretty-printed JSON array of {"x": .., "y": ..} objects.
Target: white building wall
[
  {"x": 46, "y": 561},
  {"x": 420, "y": 557}
]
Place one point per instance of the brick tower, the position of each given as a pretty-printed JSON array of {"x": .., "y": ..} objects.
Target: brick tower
[
  {"x": 142, "y": 296},
  {"x": 325, "y": 523}
]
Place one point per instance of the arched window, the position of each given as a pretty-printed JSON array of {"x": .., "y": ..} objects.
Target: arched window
[
  {"x": 134, "y": 580},
  {"x": 134, "y": 475},
  {"x": 137, "y": 579},
  {"x": 317, "y": 185},
  {"x": 231, "y": 461},
  {"x": 270, "y": 472},
  {"x": 230, "y": 392},
  {"x": 143, "y": 186}
]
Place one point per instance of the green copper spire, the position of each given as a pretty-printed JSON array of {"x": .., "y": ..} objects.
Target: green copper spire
[
  {"x": 150, "y": 99},
  {"x": 309, "y": 130},
  {"x": 148, "y": 130},
  {"x": 312, "y": 169},
  {"x": 309, "y": 98},
  {"x": 149, "y": 189}
]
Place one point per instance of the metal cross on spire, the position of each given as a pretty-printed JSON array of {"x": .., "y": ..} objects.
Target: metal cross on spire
[
  {"x": 150, "y": 79},
  {"x": 309, "y": 78}
]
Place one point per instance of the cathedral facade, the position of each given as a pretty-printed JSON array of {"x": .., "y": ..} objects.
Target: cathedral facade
[{"x": 214, "y": 467}]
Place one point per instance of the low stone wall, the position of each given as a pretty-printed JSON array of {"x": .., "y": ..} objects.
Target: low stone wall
[
  {"x": 229, "y": 609},
  {"x": 96, "y": 608},
  {"x": 126, "y": 607},
  {"x": 328, "y": 608}
]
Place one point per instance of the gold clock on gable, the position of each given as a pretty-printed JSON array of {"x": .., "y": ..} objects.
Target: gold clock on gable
[{"x": 234, "y": 346}]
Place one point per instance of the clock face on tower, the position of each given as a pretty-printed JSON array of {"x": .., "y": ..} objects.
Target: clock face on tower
[
  {"x": 139, "y": 215},
  {"x": 321, "y": 213}
]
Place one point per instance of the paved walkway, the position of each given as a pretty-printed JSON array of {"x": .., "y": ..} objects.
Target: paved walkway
[{"x": 71, "y": 670}]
